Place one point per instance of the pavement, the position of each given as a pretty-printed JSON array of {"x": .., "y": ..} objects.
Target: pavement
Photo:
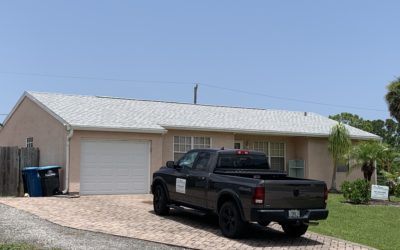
[
  {"x": 132, "y": 216},
  {"x": 17, "y": 226}
]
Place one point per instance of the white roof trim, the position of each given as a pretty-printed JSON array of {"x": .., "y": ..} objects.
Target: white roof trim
[
  {"x": 21, "y": 99},
  {"x": 262, "y": 132},
  {"x": 45, "y": 108},
  {"x": 110, "y": 129}
]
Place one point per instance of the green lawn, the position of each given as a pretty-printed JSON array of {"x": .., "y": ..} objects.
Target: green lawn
[
  {"x": 375, "y": 226},
  {"x": 17, "y": 247}
]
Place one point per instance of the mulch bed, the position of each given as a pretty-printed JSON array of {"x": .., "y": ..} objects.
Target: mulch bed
[
  {"x": 384, "y": 203},
  {"x": 376, "y": 203}
]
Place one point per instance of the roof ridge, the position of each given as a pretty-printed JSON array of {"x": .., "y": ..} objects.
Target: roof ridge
[{"x": 171, "y": 102}]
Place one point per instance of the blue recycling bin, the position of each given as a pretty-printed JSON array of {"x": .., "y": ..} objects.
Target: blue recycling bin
[{"x": 32, "y": 183}]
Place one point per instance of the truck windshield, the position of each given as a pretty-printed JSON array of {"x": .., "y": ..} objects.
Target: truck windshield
[{"x": 243, "y": 162}]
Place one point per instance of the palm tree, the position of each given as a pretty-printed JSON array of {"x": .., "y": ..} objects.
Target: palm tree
[
  {"x": 339, "y": 147},
  {"x": 388, "y": 159},
  {"x": 393, "y": 98},
  {"x": 366, "y": 153}
]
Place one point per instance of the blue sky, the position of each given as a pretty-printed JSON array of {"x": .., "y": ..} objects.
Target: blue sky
[{"x": 323, "y": 52}]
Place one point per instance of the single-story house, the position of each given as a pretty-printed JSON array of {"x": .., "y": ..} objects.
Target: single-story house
[{"x": 110, "y": 145}]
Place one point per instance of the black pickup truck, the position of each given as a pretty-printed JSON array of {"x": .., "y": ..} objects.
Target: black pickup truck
[{"x": 240, "y": 187}]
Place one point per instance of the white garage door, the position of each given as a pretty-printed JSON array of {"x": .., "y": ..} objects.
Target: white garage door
[{"x": 114, "y": 167}]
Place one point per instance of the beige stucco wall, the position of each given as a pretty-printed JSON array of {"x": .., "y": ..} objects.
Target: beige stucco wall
[
  {"x": 321, "y": 164},
  {"x": 75, "y": 156},
  {"x": 49, "y": 135}
]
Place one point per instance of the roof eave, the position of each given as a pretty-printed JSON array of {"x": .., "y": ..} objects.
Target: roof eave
[
  {"x": 263, "y": 132},
  {"x": 123, "y": 130},
  {"x": 33, "y": 99}
]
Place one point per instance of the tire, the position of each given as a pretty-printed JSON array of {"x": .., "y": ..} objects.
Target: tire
[
  {"x": 160, "y": 201},
  {"x": 230, "y": 221},
  {"x": 263, "y": 223},
  {"x": 294, "y": 230}
]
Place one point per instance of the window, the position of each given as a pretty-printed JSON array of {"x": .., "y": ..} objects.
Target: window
[
  {"x": 29, "y": 142},
  {"x": 188, "y": 160},
  {"x": 202, "y": 161},
  {"x": 277, "y": 155},
  {"x": 243, "y": 161},
  {"x": 296, "y": 168},
  {"x": 182, "y": 144},
  {"x": 261, "y": 146},
  {"x": 343, "y": 166},
  {"x": 275, "y": 152},
  {"x": 201, "y": 142}
]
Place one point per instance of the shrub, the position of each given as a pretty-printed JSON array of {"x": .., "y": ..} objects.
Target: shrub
[
  {"x": 358, "y": 191},
  {"x": 397, "y": 190}
]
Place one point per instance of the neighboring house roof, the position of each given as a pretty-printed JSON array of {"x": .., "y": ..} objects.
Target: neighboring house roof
[{"x": 119, "y": 114}]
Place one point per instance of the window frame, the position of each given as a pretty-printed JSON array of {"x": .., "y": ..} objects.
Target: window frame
[
  {"x": 191, "y": 144},
  {"x": 29, "y": 142},
  {"x": 269, "y": 152},
  {"x": 296, "y": 167}
]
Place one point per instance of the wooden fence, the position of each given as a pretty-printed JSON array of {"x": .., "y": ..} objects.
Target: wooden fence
[{"x": 12, "y": 161}]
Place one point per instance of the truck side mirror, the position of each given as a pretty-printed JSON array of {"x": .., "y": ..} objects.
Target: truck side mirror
[{"x": 170, "y": 164}]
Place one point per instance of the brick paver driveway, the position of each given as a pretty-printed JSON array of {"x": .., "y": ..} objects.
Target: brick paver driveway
[{"x": 133, "y": 216}]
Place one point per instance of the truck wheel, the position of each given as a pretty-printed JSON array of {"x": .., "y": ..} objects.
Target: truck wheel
[
  {"x": 160, "y": 201},
  {"x": 230, "y": 221},
  {"x": 295, "y": 230},
  {"x": 263, "y": 223}
]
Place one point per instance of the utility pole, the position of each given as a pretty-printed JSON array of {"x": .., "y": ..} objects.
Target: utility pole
[{"x": 195, "y": 93}]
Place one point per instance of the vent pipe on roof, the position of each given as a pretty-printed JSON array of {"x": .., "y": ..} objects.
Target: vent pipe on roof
[
  {"x": 305, "y": 113},
  {"x": 195, "y": 93}
]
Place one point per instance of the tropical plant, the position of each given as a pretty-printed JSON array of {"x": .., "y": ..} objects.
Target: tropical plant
[
  {"x": 397, "y": 191},
  {"x": 366, "y": 154},
  {"x": 339, "y": 147},
  {"x": 393, "y": 98},
  {"x": 389, "y": 159},
  {"x": 391, "y": 180}
]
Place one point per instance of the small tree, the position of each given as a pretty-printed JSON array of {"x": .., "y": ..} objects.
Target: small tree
[
  {"x": 366, "y": 153},
  {"x": 339, "y": 147}
]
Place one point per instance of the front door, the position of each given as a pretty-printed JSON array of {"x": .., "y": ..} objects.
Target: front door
[{"x": 238, "y": 145}]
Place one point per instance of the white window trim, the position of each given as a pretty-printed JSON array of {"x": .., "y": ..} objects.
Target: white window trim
[
  {"x": 29, "y": 143},
  {"x": 269, "y": 153},
  {"x": 191, "y": 143}
]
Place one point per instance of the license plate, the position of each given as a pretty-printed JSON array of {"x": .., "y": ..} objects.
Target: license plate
[{"x": 293, "y": 214}]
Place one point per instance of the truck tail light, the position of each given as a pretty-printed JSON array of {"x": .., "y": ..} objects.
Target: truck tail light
[
  {"x": 259, "y": 195},
  {"x": 325, "y": 194},
  {"x": 242, "y": 152}
]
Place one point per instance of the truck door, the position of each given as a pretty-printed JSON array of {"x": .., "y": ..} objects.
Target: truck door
[
  {"x": 197, "y": 180},
  {"x": 179, "y": 191}
]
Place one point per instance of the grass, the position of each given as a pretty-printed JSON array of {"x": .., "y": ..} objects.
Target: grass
[
  {"x": 375, "y": 226},
  {"x": 20, "y": 246}
]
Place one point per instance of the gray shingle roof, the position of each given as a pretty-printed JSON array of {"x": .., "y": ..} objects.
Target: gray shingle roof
[{"x": 107, "y": 113}]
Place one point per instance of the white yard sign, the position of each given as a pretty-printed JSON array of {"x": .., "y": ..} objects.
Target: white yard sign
[
  {"x": 181, "y": 186},
  {"x": 379, "y": 192}
]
